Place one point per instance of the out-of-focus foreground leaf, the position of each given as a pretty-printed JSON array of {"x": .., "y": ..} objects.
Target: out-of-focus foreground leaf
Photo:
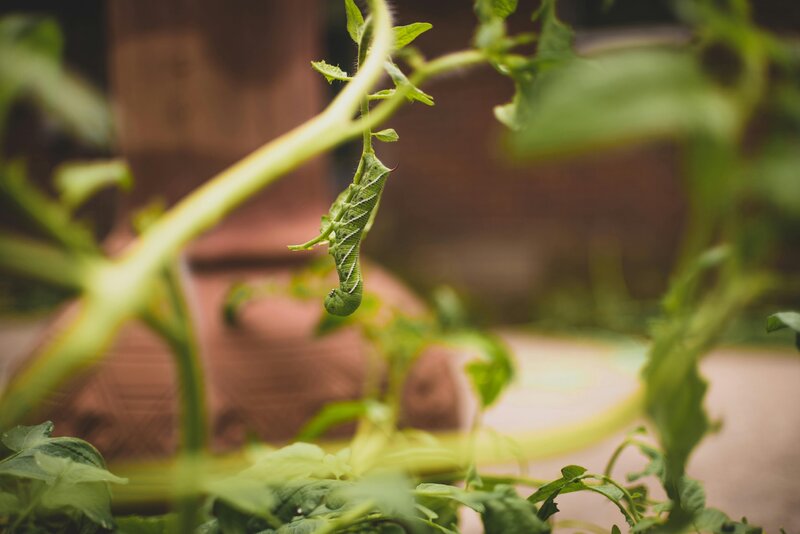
[
  {"x": 621, "y": 97},
  {"x": 30, "y": 66}
]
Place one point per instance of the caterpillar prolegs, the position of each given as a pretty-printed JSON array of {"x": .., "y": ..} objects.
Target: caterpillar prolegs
[{"x": 344, "y": 227}]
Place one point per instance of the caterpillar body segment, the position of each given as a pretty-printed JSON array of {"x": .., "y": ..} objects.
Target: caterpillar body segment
[{"x": 347, "y": 227}]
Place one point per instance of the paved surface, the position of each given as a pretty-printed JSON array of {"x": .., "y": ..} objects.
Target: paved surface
[{"x": 751, "y": 467}]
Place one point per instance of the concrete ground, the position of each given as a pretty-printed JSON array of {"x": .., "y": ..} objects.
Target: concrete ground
[{"x": 751, "y": 467}]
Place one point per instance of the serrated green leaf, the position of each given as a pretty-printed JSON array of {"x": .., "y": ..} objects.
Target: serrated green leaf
[
  {"x": 76, "y": 182},
  {"x": 331, "y": 72},
  {"x": 400, "y": 80},
  {"x": 621, "y": 97},
  {"x": 569, "y": 474},
  {"x": 26, "y": 437},
  {"x": 355, "y": 20},
  {"x": 780, "y": 320},
  {"x": 405, "y": 35},
  {"x": 387, "y": 136}
]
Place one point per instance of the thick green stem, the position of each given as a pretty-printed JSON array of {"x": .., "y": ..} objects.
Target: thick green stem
[
  {"x": 362, "y": 57},
  {"x": 178, "y": 332}
]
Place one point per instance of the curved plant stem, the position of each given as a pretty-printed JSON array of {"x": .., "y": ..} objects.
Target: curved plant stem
[{"x": 120, "y": 290}]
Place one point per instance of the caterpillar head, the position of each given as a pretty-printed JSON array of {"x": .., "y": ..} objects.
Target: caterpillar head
[{"x": 339, "y": 302}]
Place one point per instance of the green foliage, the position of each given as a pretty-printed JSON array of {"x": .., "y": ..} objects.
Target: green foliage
[
  {"x": 624, "y": 96},
  {"x": 412, "y": 93},
  {"x": 77, "y": 182},
  {"x": 405, "y": 35},
  {"x": 493, "y": 371},
  {"x": 355, "y": 21},
  {"x": 53, "y": 483},
  {"x": 165, "y": 524},
  {"x": 387, "y": 136},
  {"x": 782, "y": 320},
  {"x": 788, "y": 319},
  {"x": 336, "y": 413},
  {"x": 30, "y": 54},
  {"x": 489, "y": 9},
  {"x": 331, "y": 72}
]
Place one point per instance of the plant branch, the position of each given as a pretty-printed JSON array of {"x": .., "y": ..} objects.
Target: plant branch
[
  {"x": 34, "y": 259},
  {"x": 49, "y": 216},
  {"x": 121, "y": 290}
]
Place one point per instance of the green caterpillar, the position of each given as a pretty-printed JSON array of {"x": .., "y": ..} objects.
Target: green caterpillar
[{"x": 347, "y": 222}]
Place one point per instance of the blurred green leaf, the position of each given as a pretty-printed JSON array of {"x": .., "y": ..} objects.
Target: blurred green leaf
[
  {"x": 787, "y": 319},
  {"x": 355, "y": 20},
  {"x": 297, "y": 461},
  {"x": 776, "y": 174},
  {"x": 387, "y": 136},
  {"x": 76, "y": 182},
  {"x": 782, "y": 320},
  {"x": 239, "y": 294},
  {"x": 9, "y": 504},
  {"x": 493, "y": 371},
  {"x": 487, "y": 9},
  {"x": 246, "y": 494},
  {"x": 26, "y": 437},
  {"x": 331, "y": 72},
  {"x": 337, "y": 413},
  {"x": 619, "y": 97},
  {"x": 37, "y": 33},
  {"x": 555, "y": 41},
  {"x": 509, "y": 513},
  {"x": 405, "y": 35},
  {"x": 78, "y": 106},
  {"x": 450, "y": 311},
  {"x": 554, "y": 48},
  {"x": 79, "y": 486},
  {"x": 57, "y": 476},
  {"x": 163, "y": 524}
]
